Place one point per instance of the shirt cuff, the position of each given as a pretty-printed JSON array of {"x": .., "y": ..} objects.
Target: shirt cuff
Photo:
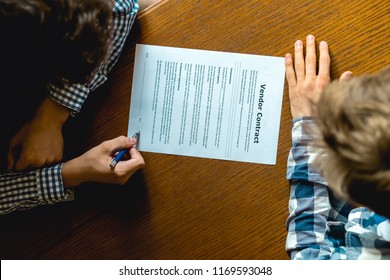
[
  {"x": 70, "y": 96},
  {"x": 308, "y": 118},
  {"x": 303, "y": 130},
  {"x": 126, "y": 7},
  {"x": 50, "y": 186},
  {"x": 303, "y": 153}
]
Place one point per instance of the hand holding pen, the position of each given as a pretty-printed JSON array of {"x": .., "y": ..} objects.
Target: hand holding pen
[
  {"x": 121, "y": 153},
  {"x": 92, "y": 165}
]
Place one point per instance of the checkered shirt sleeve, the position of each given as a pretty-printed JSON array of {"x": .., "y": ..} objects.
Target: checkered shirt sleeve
[
  {"x": 314, "y": 213},
  {"x": 73, "y": 96},
  {"x": 25, "y": 190}
]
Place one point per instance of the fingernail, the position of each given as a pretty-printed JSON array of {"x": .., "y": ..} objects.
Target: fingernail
[
  {"x": 349, "y": 74},
  {"x": 323, "y": 44},
  {"x": 310, "y": 38},
  {"x": 298, "y": 43}
]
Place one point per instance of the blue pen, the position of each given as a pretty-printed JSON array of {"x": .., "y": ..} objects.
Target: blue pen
[{"x": 120, "y": 154}]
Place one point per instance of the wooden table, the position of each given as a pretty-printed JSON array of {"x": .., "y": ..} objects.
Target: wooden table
[{"x": 184, "y": 207}]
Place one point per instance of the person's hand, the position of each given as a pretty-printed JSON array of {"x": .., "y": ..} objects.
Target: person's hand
[
  {"x": 94, "y": 165},
  {"x": 39, "y": 142},
  {"x": 304, "y": 85}
]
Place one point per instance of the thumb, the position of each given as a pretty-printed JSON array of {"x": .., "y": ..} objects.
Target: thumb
[{"x": 346, "y": 75}]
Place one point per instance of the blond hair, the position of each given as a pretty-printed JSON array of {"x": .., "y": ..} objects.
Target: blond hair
[{"x": 354, "y": 139}]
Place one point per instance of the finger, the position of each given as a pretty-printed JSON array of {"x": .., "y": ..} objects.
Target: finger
[
  {"x": 119, "y": 143},
  {"x": 137, "y": 157},
  {"x": 310, "y": 57},
  {"x": 135, "y": 162},
  {"x": 12, "y": 153},
  {"x": 346, "y": 76},
  {"x": 299, "y": 61},
  {"x": 290, "y": 73},
  {"x": 324, "y": 67},
  {"x": 10, "y": 159},
  {"x": 21, "y": 164}
]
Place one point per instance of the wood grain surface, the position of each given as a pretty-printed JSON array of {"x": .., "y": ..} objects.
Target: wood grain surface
[{"x": 183, "y": 207}]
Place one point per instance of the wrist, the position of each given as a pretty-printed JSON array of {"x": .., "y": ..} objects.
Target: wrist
[
  {"x": 53, "y": 111},
  {"x": 73, "y": 173}
]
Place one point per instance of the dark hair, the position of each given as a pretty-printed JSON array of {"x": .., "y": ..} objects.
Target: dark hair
[{"x": 52, "y": 41}]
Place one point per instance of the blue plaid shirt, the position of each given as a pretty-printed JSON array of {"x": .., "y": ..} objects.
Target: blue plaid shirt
[
  {"x": 24, "y": 190},
  {"x": 320, "y": 226}
]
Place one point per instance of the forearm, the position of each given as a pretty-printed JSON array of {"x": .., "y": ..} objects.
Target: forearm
[
  {"x": 53, "y": 112},
  {"x": 74, "y": 172},
  {"x": 309, "y": 205}
]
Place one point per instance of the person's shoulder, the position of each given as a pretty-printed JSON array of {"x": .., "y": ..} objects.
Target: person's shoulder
[
  {"x": 368, "y": 225},
  {"x": 366, "y": 218},
  {"x": 367, "y": 235}
]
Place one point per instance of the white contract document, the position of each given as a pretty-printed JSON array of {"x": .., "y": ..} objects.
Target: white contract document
[{"x": 206, "y": 103}]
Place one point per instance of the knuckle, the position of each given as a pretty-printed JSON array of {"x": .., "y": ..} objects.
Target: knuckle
[
  {"x": 290, "y": 76},
  {"x": 325, "y": 59},
  {"x": 323, "y": 82},
  {"x": 38, "y": 162},
  {"x": 311, "y": 60},
  {"x": 140, "y": 162},
  {"x": 308, "y": 85},
  {"x": 300, "y": 63},
  {"x": 123, "y": 140},
  {"x": 104, "y": 144}
]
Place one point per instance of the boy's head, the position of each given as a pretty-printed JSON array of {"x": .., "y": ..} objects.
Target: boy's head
[
  {"x": 354, "y": 123},
  {"x": 52, "y": 41}
]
